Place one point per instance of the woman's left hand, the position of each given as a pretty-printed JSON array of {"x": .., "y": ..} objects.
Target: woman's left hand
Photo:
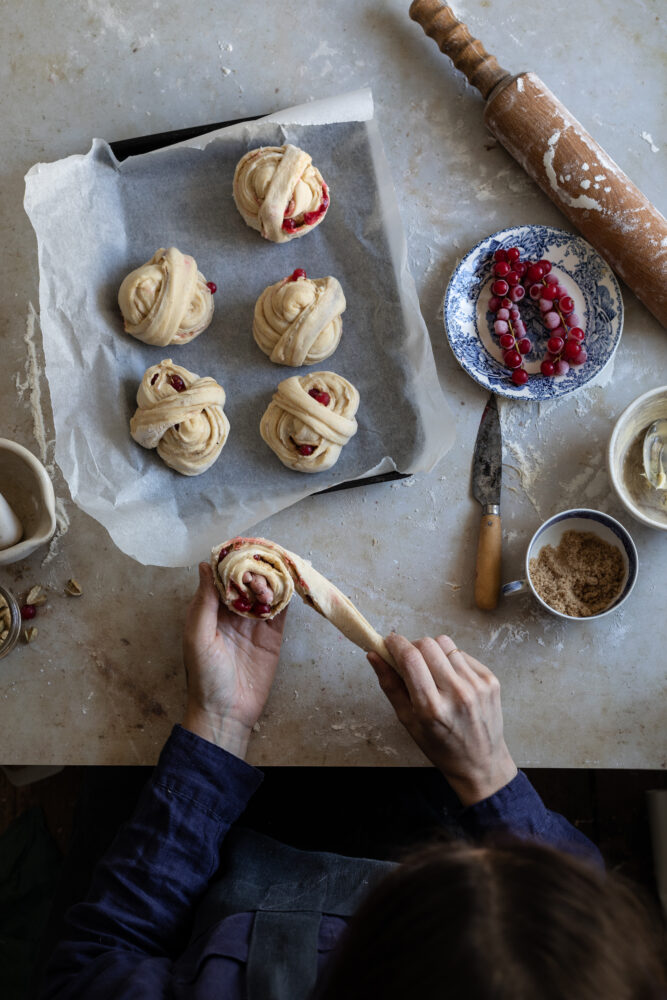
[{"x": 230, "y": 663}]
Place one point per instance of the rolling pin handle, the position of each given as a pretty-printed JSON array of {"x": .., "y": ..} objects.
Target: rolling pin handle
[{"x": 452, "y": 36}]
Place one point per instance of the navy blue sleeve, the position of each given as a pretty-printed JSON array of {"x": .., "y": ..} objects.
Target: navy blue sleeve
[
  {"x": 518, "y": 810},
  {"x": 121, "y": 940}
]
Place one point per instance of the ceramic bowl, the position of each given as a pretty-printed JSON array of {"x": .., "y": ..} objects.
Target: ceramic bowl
[
  {"x": 580, "y": 519},
  {"x": 635, "y": 418},
  {"x": 591, "y": 283},
  {"x": 25, "y": 485}
]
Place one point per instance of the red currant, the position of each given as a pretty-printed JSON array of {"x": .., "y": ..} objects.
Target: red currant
[
  {"x": 561, "y": 367},
  {"x": 555, "y": 345},
  {"x": 547, "y": 368},
  {"x": 500, "y": 255},
  {"x": 512, "y": 278},
  {"x": 502, "y": 268},
  {"x": 513, "y": 254},
  {"x": 517, "y": 293},
  {"x": 28, "y": 611},
  {"x": 296, "y": 274},
  {"x": 520, "y": 376},
  {"x": 581, "y": 357},
  {"x": 505, "y": 303},
  {"x": 520, "y": 267},
  {"x": 177, "y": 382},
  {"x": 536, "y": 290},
  {"x": 524, "y": 345},
  {"x": 500, "y": 287},
  {"x": 576, "y": 333},
  {"x": 572, "y": 349},
  {"x": 534, "y": 272},
  {"x": 494, "y": 303},
  {"x": 500, "y": 326},
  {"x": 512, "y": 359},
  {"x": 566, "y": 305},
  {"x": 212, "y": 287},
  {"x": 305, "y": 449},
  {"x": 320, "y": 395},
  {"x": 506, "y": 341},
  {"x": 545, "y": 265}
]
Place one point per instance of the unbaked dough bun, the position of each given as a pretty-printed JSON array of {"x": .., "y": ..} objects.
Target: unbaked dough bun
[
  {"x": 298, "y": 320},
  {"x": 286, "y": 573},
  {"x": 279, "y": 192},
  {"x": 166, "y": 300},
  {"x": 309, "y": 420},
  {"x": 182, "y": 416}
]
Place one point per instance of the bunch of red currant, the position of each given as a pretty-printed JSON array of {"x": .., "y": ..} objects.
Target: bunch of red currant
[{"x": 513, "y": 278}]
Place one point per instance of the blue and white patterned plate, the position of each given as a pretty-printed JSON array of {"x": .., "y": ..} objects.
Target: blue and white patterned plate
[{"x": 589, "y": 280}]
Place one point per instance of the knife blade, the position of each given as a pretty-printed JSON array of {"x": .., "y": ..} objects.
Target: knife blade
[{"x": 487, "y": 466}]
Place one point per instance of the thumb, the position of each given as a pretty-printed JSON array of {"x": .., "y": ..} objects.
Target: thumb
[{"x": 202, "y": 615}]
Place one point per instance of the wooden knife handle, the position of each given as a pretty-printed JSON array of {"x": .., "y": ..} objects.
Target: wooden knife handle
[
  {"x": 487, "y": 572},
  {"x": 467, "y": 53}
]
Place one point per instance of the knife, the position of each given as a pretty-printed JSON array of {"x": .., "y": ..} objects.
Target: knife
[{"x": 487, "y": 465}]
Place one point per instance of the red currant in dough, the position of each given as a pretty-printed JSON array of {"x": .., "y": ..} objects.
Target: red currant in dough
[
  {"x": 177, "y": 382},
  {"x": 318, "y": 394},
  {"x": 520, "y": 376},
  {"x": 242, "y": 604},
  {"x": 297, "y": 273},
  {"x": 305, "y": 449},
  {"x": 262, "y": 609},
  {"x": 223, "y": 553}
]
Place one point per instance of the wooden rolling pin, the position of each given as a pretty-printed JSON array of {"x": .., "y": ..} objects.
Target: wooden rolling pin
[{"x": 558, "y": 153}]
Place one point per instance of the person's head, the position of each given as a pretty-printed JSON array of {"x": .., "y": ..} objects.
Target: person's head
[{"x": 511, "y": 922}]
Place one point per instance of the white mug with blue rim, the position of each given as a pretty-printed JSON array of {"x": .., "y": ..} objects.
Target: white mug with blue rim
[{"x": 580, "y": 519}]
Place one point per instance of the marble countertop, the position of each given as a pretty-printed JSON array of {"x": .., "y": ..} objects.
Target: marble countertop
[{"x": 103, "y": 681}]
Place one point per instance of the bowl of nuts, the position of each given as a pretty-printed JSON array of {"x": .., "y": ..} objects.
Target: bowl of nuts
[
  {"x": 10, "y": 622},
  {"x": 27, "y": 503}
]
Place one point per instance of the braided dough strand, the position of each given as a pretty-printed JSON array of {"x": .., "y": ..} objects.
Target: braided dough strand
[
  {"x": 285, "y": 573},
  {"x": 294, "y": 419},
  {"x": 273, "y": 184},
  {"x": 298, "y": 321},
  {"x": 189, "y": 428},
  {"x": 166, "y": 301}
]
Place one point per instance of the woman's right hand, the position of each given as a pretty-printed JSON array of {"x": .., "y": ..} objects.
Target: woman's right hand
[{"x": 449, "y": 702}]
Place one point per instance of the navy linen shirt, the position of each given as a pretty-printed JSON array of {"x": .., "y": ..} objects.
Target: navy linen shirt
[{"x": 129, "y": 939}]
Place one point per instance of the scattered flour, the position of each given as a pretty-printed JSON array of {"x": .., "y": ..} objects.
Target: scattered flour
[
  {"x": 647, "y": 137},
  {"x": 32, "y": 385}
]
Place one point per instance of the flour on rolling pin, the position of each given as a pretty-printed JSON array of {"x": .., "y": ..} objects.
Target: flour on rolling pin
[
  {"x": 11, "y": 529},
  {"x": 557, "y": 152},
  {"x": 585, "y": 183}
]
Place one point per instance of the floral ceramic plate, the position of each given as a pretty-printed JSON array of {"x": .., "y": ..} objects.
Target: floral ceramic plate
[{"x": 590, "y": 282}]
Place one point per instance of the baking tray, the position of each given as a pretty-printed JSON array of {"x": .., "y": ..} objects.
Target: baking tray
[{"x": 122, "y": 148}]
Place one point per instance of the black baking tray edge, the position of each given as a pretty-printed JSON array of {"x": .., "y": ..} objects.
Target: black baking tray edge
[{"x": 122, "y": 148}]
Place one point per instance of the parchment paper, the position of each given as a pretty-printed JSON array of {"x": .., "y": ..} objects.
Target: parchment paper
[{"x": 97, "y": 219}]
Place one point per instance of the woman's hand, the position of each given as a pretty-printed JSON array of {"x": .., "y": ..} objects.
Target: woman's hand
[
  {"x": 230, "y": 663},
  {"x": 449, "y": 702}
]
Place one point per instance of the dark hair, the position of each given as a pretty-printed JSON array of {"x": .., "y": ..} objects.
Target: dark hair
[{"x": 515, "y": 921}]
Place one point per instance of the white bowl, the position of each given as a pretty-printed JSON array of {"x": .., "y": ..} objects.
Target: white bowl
[
  {"x": 25, "y": 485},
  {"x": 635, "y": 418}
]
